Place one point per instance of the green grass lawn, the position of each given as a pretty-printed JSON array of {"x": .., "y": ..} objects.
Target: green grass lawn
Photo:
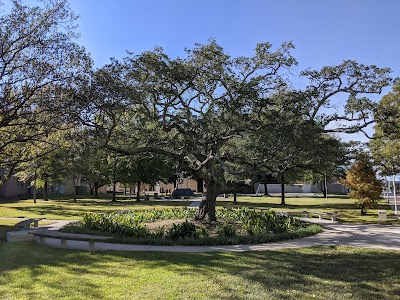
[
  {"x": 32, "y": 271},
  {"x": 9, "y": 225},
  {"x": 67, "y": 209},
  {"x": 6, "y": 226},
  {"x": 342, "y": 205}
]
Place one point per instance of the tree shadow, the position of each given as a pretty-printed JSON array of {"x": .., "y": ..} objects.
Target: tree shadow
[
  {"x": 357, "y": 273},
  {"x": 4, "y": 229}
]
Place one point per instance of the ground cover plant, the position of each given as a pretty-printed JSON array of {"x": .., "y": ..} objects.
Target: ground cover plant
[
  {"x": 235, "y": 226},
  {"x": 32, "y": 271}
]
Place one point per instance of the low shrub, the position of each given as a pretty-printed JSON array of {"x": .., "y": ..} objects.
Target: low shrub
[
  {"x": 119, "y": 224},
  {"x": 182, "y": 230},
  {"x": 226, "y": 229},
  {"x": 255, "y": 222}
]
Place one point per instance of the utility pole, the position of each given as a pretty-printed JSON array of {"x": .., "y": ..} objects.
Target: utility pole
[
  {"x": 394, "y": 194},
  {"x": 387, "y": 183}
]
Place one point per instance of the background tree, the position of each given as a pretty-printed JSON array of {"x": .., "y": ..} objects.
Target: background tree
[
  {"x": 146, "y": 168},
  {"x": 385, "y": 145},
  {"x": 46, "y": 168},
  {"x": 286, "y": 143},
  {"x": 387, "y": 115},
  {"x": 365, "y": 187},
  {"x": 97, "y": 170},
  {"x": 40, "y": 66}
]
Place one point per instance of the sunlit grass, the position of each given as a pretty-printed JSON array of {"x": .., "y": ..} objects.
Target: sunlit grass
[
  {"x": 67, "y": 209},
  {"x": 9, "y": 225},
  {"x": 341, "y": 205},
  {"x": 6, "y": 226},
  {"x": 31, "y": 271}
]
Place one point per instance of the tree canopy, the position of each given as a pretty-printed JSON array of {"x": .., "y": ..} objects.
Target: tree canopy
[
  {"x": 385, "y": 145},
  {"x": 193, "y": 109},
  {"x": 40, "y": 66}
]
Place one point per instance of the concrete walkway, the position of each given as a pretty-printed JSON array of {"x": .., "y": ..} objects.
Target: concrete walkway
[{"x": 366, "y": 236}]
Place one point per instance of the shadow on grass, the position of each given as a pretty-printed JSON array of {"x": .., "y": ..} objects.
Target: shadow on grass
[
  {"x": 4, "y": 229},
  {"x": 325, "y": 271},
  {"x": 321, "y": 206}
]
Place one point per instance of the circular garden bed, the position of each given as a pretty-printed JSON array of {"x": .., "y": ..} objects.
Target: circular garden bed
[{"x": 176, "y": 226}]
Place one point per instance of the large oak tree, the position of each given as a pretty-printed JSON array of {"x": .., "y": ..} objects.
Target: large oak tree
[{"x": 192, "y": 109}]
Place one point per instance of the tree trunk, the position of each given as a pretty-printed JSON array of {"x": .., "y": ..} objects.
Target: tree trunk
[
  {"x": 96, "y": 192},
  {"x": 138, "y": 192},
  {"x": 124, "y": 189},
  {"x": 326, "y": 188},
  {"x": 91, "y": 189},
  {"x": 283, "y": 189},
  {"x": 75, "y": 188},
  {"x": 323, "y": 190},
  {"x": 234, "y": 198},
  {"x": 34, "y": 189},
  {"x": 363, "y": 210},
  {"x": 207, "y": 205},
  {"x": 75, "y": 192},
  {"x": 113, "y": 196},
  {"x": 45, "y": 194},
  {"x": 34, "y": 193},
  {"x": 266, "y": 190}
]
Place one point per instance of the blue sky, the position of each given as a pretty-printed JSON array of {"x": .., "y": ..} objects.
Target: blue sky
[{"x": 324, "y": 32}]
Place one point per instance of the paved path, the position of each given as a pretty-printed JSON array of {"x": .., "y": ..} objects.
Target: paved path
[
  {"x": 367, "y": 236},
  {"x": 194, "y": 204}
]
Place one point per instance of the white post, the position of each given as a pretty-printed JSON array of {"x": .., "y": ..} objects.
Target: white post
[
  {"x": 387, "y": 188},
  {"x": 394, "y": 194}
]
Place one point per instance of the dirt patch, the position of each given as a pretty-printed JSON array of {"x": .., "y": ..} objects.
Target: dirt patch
[
  {"x": 167, "y": 224},
  {"x": 152, "y": 226}
]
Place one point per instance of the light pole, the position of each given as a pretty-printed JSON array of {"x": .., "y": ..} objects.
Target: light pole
[
  {"x": 387, "y": 188},
  {"x": 394, "y": 194}
]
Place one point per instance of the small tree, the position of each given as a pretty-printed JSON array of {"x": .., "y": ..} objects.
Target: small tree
[{"x": 365, "y": 187}]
